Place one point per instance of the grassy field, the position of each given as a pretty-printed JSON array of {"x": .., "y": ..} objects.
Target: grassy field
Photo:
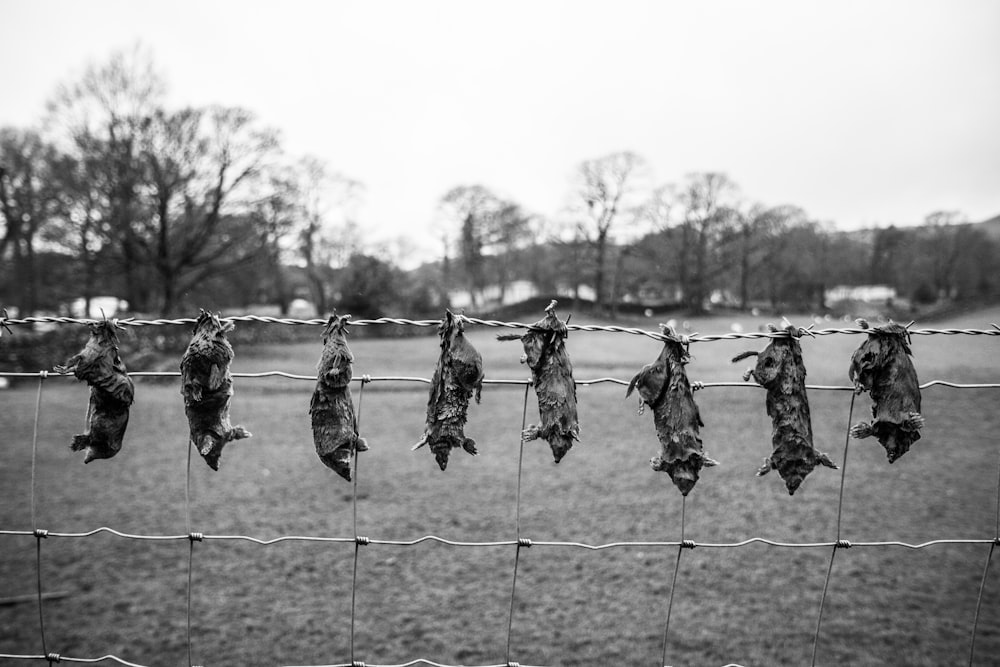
[{"x": 289, "y": 603}]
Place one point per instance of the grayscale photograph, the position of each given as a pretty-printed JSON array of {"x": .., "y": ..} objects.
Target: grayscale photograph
[{"x": 451, "y": 333}]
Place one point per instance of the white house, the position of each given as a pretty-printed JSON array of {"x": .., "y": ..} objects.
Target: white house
[{"x": 866, "y": 293}]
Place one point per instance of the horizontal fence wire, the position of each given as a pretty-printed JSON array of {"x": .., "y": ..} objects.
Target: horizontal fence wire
[
  {"x": 520, "y": 542},
  {"x": 365, "y": 379},
  {"x": 199, "y": 537}
]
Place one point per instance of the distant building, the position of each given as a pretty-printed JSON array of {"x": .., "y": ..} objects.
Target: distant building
[
  {"x": 865, "y": 293},
  {"x": 515, "y": 292},
  {"x": 100, "y": 307}
]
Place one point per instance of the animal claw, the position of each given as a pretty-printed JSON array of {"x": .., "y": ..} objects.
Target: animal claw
[
  {"x": 862, "y": 430},
  {"x": 914, "y": 422},
  {"x": 530, "y": 433},
  {"x": 828, "y": 462}
]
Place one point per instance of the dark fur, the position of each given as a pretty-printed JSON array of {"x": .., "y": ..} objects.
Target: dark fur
[
  {"x": 334, "y": 425},
  {"x": 552, "y": 374},
  {"x": 882, "y": 366},
  {"x": 207, "y": 388},
  {"x": 458, "y": 375},
  {"x": 111, "y": 393},
  {"x": 663, "y": 386},
  {"x": 782, "y": 373}
]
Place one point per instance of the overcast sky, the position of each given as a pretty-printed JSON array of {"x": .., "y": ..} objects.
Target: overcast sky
[{"x": 863, "y": 113}]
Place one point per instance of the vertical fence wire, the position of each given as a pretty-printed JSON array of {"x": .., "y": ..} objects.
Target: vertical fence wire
[
  {"x": 673, "y": 581},
  {"x": 979, "y": 602},
  {"x": 190, "y": 564},
  {"x": 986, "y": 573},
  {"x": 517, "y": 521},
  {"x": 39, "y": 534},
  {"x": 839, "y": 544},
  {"x": 354, "y": 511}
]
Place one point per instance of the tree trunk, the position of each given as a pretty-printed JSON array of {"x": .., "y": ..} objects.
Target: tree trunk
[
  {"x": 745, "y": 269},
  {"x": 699, "y": 288},
  {"x": 24, "y": 277},
  {"x": 318, "y": 290},
  {"x": 601, "y": 246},
  {"x": 683, "y": 266}
]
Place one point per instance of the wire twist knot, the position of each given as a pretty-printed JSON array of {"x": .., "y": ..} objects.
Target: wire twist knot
[
  {"x": 688, "y": 544},
  {"x": 40, "y": 533},
  {"x": 511, "y": 663},
  {"x": 366, "y": 378},
  {"x": 358, "y": 663},
  {"x": 844, "y": 544},
  {"x": 196, "y": 537},
  {"x": 4, "y": 327},
  {"x": 523, "y": 542},
  {"x": 53, "y": 657},
  {"x": 362, "y": 541}
]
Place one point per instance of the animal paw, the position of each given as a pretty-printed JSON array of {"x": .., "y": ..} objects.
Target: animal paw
[
  {"x": 470, "y": 446},
  {"x": 207, "y": 444},
  {"x": 766, "y": 468},
  {"x": 530, "y": 433},
  {"x": 914, "y": 422},
  {"x": 238, "y": 433},
  {"x": 862, "y": 430},
  {"x": 828, "y": 462}
]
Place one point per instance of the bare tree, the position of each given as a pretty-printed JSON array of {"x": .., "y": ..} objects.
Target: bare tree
[
  {"x": 27, "y": 202},
  {"x": 609, "y": 189},
  {"x": 468, "y": 208},
  {"x": 942, "y": 250},
  {"x": 202, "y": 167},
  {"x": 100, "y": 117},
  {"x": 755, "y": 233},
  {"x": 328, "y": 236},
  {"x": 707, "y": 199}
]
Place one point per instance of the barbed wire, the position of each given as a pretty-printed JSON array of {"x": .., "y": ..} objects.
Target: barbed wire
[{"x": 686, "y": 338}]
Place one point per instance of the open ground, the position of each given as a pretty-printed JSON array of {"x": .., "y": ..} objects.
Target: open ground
[{"x": 290, "y": 603}]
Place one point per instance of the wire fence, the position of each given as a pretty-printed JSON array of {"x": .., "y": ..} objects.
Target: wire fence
[{"x": 517, "y": 542}]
